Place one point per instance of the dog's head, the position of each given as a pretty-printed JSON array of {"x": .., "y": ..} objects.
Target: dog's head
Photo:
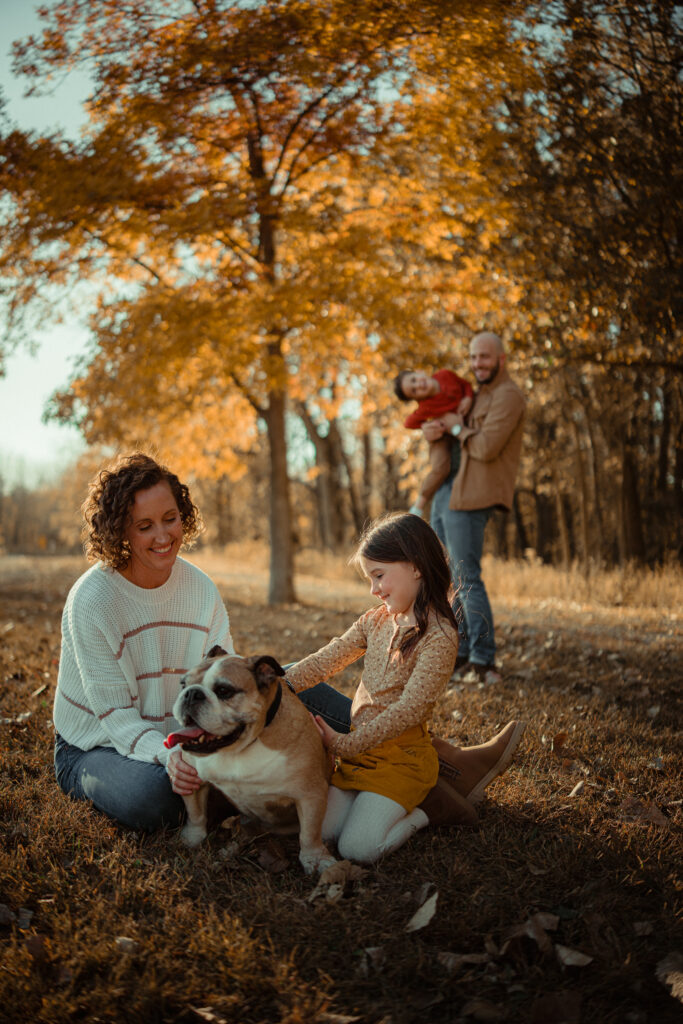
[{"x": 225, "y": 699}]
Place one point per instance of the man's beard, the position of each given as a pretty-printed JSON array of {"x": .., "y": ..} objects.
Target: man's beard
[{"x": 492, "y": 373}]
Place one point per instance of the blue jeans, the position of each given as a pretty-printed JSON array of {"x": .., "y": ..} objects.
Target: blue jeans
[
  {"x": 139, "y": 794},
  {"x": 462, "y": 534},
  {"x": 330, "y": 704},
  {"x": 135, "y": 793}
]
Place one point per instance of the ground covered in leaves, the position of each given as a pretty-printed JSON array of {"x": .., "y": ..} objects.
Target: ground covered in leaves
[{"x": 560, "y": 907}]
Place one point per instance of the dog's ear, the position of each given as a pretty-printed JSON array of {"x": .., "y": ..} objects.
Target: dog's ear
[
  {"x": 216, "y": 651},
  {"x": 266, "y": 669}
]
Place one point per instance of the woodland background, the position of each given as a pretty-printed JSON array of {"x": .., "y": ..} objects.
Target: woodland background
[{"x": 276, "y": 206}]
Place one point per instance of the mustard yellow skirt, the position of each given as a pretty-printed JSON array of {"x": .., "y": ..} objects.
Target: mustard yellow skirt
[{"x": 403, "y": 769}]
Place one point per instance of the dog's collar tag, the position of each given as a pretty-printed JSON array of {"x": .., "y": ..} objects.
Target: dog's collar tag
[{"x": 272, "y": 710}]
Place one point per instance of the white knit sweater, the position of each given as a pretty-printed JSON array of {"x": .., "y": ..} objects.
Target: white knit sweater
[{"x": 124, "y": 649}]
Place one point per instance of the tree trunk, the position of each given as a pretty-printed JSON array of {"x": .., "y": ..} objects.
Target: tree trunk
[
  {"x": 391, "y": 492},
  {"x": 336, "y": 441},
  {"x": 562, "y": 525},
  {"x": 367, "y": 475},
  {"x": 583, "y": 494},
  {"x": 632, "y": 543},
  {"x": 661, "y": 483},
  {"x": 543, "y": 526},
  {"x": 678, "y": 495},
  {"x": 521, "y": 534},
  {"x": 337, "y": 462},
  {"x": 327, "y": 481},
  {"x": 281, "y": 587}
]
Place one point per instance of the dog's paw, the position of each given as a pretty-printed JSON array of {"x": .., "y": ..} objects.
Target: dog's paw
[
  {"x": 326, "y": 861},
  {"x": 193, "y": 835},
  {"x": 316, "y": 860}
]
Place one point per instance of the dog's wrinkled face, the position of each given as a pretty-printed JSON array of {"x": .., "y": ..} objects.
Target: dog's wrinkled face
[{"x": 223, "y": 700}]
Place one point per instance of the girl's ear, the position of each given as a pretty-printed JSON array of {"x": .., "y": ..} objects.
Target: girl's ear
[{"x": 416, "y": 573}]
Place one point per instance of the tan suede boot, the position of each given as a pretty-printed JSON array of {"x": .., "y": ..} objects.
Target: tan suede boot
[
  {"x": 469, "y": 770},
  {"x": 443, "y": 805}
]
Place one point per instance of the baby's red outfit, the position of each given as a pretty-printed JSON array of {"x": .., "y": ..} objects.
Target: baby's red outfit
[{"x": 453, "y": 390}]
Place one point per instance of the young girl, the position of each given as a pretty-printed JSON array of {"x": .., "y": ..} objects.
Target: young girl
[{"x": 387, "y": 765}]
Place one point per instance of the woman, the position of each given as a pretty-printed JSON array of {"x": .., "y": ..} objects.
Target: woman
[{"x": 133, "y": 624}]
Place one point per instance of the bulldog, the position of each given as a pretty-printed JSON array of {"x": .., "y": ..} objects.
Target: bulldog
[{"x": 253, "y": 739}]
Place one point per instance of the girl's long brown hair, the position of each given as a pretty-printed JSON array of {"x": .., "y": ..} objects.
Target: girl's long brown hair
[{"x": 403, "y": 537}]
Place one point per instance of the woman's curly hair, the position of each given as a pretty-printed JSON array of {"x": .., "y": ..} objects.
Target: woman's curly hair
[{"x": 111, "y": 494}]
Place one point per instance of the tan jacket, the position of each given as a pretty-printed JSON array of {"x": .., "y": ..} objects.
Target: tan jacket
[{"x": 491, "y": 446}]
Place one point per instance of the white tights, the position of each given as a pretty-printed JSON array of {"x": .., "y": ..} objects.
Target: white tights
[{"x": 366, "y": 826}]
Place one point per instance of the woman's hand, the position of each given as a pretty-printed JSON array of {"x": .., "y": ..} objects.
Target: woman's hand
[
  {"x": 184, "y": 778},
  {"x": 326, "y": 731}
]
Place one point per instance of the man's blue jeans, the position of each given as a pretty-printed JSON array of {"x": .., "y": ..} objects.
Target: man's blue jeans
[
  {"x": 139, "y": 794},
  {"x": 462, "y": 534}
]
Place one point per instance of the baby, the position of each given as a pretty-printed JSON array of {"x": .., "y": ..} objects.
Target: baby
[{"x": 443, "y": 392}]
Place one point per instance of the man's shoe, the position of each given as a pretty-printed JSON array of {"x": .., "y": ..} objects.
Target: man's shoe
[
  {"x": 443, "y": 805},
  {"x": 487, "y": 674},
  {"x": 469, "y": 770},
  {"x": 461, "y": 663}
]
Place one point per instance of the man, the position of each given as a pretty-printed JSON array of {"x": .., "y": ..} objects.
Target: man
[{"x": 491, "y": 443}]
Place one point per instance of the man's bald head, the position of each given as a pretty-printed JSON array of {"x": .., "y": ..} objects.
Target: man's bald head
[
  {"x": 487, "y": 355},
  {"x": 490, "y": 339}
]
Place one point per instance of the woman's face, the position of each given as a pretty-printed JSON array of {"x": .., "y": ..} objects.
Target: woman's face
[{"x": 155, "y": 534}]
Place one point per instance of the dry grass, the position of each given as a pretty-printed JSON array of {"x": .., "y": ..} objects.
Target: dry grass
[{"x": 229, "y": 933}]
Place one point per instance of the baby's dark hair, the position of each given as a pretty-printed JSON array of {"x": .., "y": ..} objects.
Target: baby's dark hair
[
  {"x": 398, "y": 385},
  {"x": 404, "y": 537},
  {"x": 111, "y": 494}
]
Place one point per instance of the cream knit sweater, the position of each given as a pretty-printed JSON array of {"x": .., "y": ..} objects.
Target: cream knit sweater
[{"x": 124, "y": 649}]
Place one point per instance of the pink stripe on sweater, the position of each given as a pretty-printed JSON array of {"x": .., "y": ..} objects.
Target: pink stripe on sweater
[{"x": 156, "y": 625}]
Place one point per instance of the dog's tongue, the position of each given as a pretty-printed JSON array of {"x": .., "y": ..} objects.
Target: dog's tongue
[{"x": 190, "y": 733}]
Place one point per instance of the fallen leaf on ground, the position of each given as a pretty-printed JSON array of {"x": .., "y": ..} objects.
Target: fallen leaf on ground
[
  {"x": 272, "y": 857},
  {"x": 454, "y": 961},
  {"x": 571, "y": 957},
  {"x": 374, "y": 958},
  {"x": 558, "y": 741},
  {"x": 334, "y": 880},
  {"x": 208, "y": 1014},
  {"x": 536, "y": 928},
  {"x": 423, "y": 916},
  {"x": 670, "y": 973},
  {"x": 335, "y": 1018},
  {"x": 341, "y": 871},
  {"x": 482, "y": 1009},
  {"x": 37, "y": 947},
  {"x": 633, "y": 809},
  {"x": 7, "y": 915},
  {"x": 24, "y": 918},
  {"x": 19, "y": 720}
]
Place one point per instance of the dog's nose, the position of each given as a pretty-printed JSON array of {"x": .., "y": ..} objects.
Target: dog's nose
[{"x": 195, "y": 695}]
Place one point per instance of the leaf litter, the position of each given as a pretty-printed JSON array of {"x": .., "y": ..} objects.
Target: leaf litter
[{"x": 491, "y": 898}]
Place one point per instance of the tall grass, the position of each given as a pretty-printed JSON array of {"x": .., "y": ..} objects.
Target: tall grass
[{"x": 519, "y": 581}]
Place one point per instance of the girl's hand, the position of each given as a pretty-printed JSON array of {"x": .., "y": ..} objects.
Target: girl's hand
[
  {"x": 184, "y": 778},
  {"x": 326, "y": 731}
]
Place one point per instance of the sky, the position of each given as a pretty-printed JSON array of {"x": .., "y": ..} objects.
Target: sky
[{"x": 30, "y": 451}]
